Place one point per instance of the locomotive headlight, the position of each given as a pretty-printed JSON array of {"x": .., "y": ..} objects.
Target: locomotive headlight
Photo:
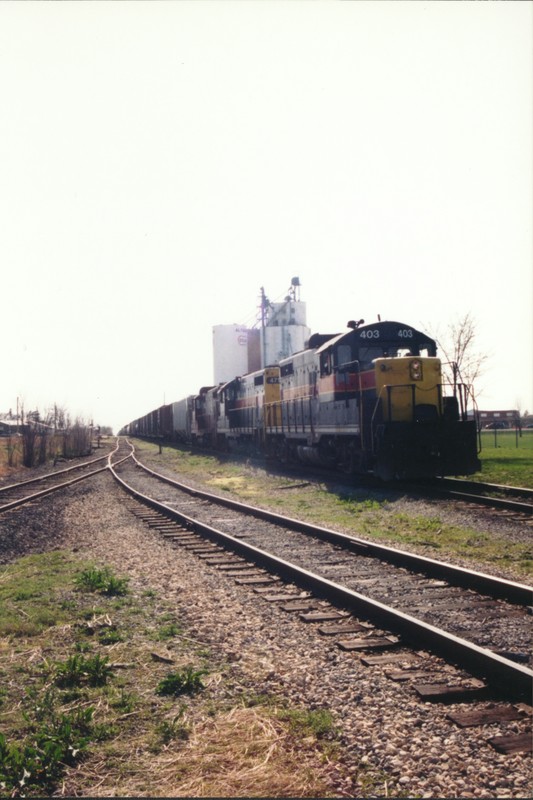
[{"x": 415, "y": 370}]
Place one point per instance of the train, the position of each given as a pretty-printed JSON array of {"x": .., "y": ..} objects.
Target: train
[{"x": 370, "y": 400}]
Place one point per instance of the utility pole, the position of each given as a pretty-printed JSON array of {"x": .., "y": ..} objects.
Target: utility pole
[{"x": 264, "y": 306}]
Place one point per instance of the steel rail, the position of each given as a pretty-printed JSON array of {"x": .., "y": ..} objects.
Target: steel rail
[
  {"x": 494, "y": 502},
  {"x": 473, "y": 492},
  {"x": 486, "y": 487},
  {"x": 48, "y": 475},
  {"x": 37, "y": 495},
  {"x": 12, "y": 486},
  {"x": 512, "y": 591},
  {"x": 514, "y": 679}
]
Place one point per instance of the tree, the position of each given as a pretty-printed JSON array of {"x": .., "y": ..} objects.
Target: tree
[{"x": 462, "y": 362}]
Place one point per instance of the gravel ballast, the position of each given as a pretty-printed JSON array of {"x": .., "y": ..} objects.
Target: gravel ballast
[{"x": 389, "y": 739}]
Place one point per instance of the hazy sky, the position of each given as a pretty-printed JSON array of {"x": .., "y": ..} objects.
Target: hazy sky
[{"x": 160, "y": 162}]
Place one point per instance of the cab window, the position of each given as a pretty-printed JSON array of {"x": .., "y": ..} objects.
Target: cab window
[
  {"x": 368, "y": 354},
  {"x": 343, "y": 355}
]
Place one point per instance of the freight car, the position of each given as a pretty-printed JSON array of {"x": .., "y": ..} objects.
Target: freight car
[{"x": 369, "y": 400}]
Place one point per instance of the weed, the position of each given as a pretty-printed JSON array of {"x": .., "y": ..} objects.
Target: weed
[
  {"x": 175, "y": 729},
  {"x": 103, "y": 731},
  {"x": 83, "y": 647},
  {"x": 124, "y": 701},
  {"x": 37, "y": 764},
  {"x": 102, "y": 580},
  {"x": 45, "y": 704},
  {"x": 188, "y": 681},
  {"x": 78, "y": 670}
]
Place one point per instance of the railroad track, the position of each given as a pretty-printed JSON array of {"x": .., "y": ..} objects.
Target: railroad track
[
  {"x": 17, "y": 494},
  {"x": 511, "y": 499},
  {"x": 388, "y": 606}
]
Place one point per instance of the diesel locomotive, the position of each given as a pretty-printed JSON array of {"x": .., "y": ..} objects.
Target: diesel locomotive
[{"x": 370, "y": 400}]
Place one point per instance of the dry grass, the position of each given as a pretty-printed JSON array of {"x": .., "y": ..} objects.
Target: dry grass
[{"x": 245, "y": 752}]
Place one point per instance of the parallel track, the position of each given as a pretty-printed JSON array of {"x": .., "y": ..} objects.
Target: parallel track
[
  {"x": 517, "y": 500},
  {"x": 491, "y": 666},
  {"x": 16, "y": 494},
  {"x": 508, "y": 498}
]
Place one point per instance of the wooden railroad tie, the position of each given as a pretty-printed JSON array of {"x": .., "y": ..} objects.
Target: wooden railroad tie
[
  {"x": 441, "y": 693},
  {"x": 282, "y": 597},
  {"x": 515, "y": 743},
  {"x": 485, "y": 716},
  {"x": 390, "y": 658},
  {"x": 322, "y": 616},
  {"x": 372, "y": 643},
  {"x": 255, "y": 581}
]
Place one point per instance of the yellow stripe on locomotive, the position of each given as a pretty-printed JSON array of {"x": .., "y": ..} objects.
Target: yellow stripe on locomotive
[{"x": 272, "y": 398}]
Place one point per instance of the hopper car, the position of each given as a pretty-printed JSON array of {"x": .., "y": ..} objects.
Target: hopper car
[{"x": 370, "y": 400}]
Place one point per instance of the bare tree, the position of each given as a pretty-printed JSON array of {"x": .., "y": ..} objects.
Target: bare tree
[
  {"x": 463, "y": 362},
  {"x": 29, "y": 440}
]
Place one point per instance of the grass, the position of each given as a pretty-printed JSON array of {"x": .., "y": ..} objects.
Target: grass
[
  {"x": 248, "y": 752},
  {"x": 28, "y": 590},
  {"x": 79, "y": 715},
  {"x": 507, "y": 458}
]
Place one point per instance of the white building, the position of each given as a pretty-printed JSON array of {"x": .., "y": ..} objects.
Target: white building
[
  {"x": 235, "y": 351},
  {"x": 282, "y": 332}
]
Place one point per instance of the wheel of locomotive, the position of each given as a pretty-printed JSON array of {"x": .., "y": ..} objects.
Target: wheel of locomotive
[
  {"x": 283, "y": 451},
  {"x": 327, "y": 451},
  {"x": 353, "y": 458},
  {"x": 349, "y": 460}
]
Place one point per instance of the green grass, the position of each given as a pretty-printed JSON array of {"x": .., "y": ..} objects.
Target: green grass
[
  {"x": 31, "y": 594},
  {"x": 506, "y": 458},
  {"x": 318, "y": 722}
]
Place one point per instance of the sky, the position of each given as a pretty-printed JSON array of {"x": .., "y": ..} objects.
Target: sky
[{"x": 160, "y": 162}]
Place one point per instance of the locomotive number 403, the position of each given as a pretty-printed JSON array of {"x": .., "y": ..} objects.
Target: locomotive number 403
[{"x": 403, "y": 333}]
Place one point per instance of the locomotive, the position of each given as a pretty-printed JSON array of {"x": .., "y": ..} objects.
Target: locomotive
[{"x": 369, "y": 400}]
